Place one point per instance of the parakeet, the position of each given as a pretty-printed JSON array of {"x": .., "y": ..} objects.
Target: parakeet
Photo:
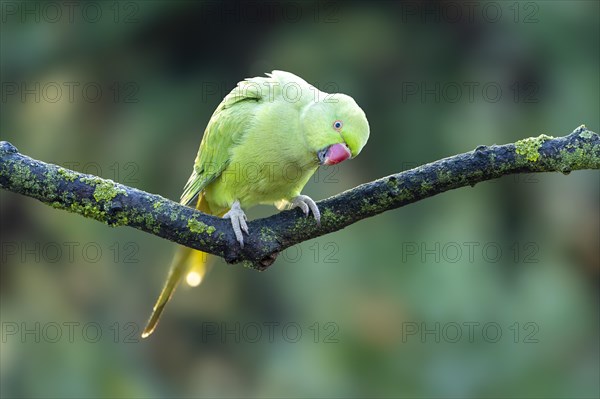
[{"x": 261, "y": 146}]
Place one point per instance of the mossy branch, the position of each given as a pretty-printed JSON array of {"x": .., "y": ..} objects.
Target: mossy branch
[{"x": 119, "y": 205}]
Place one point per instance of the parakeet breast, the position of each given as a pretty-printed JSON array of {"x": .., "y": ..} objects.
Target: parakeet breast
[{"x": 273, "y": 164}]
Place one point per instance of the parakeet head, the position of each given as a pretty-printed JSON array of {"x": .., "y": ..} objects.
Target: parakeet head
[{"x": 336, "y": 128}]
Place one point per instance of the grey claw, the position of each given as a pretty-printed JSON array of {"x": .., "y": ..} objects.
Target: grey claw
[
  {"x": 244, "y": 225},
  {"x": 305, "y": 203},
  {"x": 238, "y": 221},
  {"x": 303, "y": 206}
]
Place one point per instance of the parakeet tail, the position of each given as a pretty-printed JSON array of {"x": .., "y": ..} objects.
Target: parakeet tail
[{"x": 188, "y": 263}]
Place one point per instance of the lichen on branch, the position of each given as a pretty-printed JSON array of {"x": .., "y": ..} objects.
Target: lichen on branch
[{"x": 118, "y": 205}]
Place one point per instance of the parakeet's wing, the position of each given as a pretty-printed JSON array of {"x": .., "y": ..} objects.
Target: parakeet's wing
[{"x": 224, "y": 131}]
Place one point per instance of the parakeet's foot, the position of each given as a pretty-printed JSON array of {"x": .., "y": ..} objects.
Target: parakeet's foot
[
  {"x": 306, "y": 203},
  {"x": 238, "y": 221}
]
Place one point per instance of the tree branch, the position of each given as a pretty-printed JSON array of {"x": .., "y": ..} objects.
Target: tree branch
[{"x": 119, "y": 205}]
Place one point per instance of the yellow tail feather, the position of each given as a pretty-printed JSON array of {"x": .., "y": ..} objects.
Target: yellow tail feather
[{"x": 186, "y": 262}]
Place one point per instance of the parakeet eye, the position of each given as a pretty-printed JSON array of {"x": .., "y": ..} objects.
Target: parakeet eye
[{"x": 337, "y": 125}]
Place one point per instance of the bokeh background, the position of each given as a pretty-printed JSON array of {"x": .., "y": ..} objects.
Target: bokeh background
[{"x": 490, "y": 291}]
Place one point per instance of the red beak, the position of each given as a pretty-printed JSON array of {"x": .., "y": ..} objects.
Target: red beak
[{"x": 334, "y": 154}]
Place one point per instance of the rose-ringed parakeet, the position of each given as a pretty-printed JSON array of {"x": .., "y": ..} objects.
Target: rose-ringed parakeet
[{"x": 261, "y": 146}]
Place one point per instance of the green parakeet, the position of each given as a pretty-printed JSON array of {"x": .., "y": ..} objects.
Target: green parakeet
[{"x": 261, "y": 146}]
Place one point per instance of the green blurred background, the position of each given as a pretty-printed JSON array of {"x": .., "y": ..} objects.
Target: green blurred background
[{"x": 489, "y": 291}]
